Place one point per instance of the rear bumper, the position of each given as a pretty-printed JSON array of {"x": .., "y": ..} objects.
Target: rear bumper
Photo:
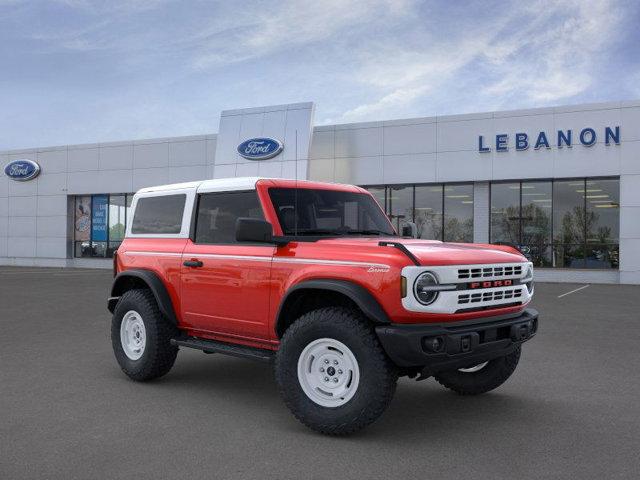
[{"x": 441, "y": 347}]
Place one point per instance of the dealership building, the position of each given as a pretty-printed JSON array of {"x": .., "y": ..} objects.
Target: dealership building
[{"x": 560, "y": 183}]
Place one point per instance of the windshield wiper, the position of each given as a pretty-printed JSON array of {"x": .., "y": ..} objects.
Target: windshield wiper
[
  {"x": 340, "y": 232},
  {"x": 317, "y": 231},
  {"x": 369, "y": 232}
]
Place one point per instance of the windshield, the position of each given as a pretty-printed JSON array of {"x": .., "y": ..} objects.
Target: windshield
[{"x": 328, "y": 212}]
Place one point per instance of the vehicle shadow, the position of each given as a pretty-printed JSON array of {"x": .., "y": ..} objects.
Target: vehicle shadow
[{"x": 417, "y": 408}]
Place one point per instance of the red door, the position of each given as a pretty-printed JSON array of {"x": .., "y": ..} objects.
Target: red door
[
  {"x": 224, "y": 284},
  {"x": 226, "y": 291}
]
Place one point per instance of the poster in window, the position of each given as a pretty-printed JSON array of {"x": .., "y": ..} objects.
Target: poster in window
[
  {"x": 99, "y": 218},
  {"x": 82, "y": 218}
]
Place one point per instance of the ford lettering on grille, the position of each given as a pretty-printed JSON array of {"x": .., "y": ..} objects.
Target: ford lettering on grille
[{"x": 490, "y": 284}]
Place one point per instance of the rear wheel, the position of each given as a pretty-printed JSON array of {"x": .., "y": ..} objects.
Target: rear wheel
[
  {"x": 141, "y": 336},
  {"x": 480, "y": 378},
  {"x": 332, "y": 372}
]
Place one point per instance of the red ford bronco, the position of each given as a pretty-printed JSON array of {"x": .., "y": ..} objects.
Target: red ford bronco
[{"x": 313, "y": 277}]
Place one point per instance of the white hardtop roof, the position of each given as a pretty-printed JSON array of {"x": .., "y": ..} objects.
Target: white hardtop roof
[{"x": 215, "y": 185}]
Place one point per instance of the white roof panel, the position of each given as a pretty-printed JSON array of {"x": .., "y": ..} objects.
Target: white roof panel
[
  {"x": 172, "y": 186},
  {"x": 228, "y": 184},
  {"x": 214, "y": 185}
]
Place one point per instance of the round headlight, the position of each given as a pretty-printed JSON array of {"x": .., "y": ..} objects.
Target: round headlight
[{"x": 423, "y": 288}]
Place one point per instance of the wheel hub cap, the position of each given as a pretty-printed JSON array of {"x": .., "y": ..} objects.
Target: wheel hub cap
[
  {"x": 133, "y": 335},
  {"x": 328, "y": 372}
]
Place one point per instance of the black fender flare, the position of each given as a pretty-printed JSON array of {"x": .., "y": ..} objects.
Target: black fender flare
[
  {"x": 153, "y": 282},
  {"x": 364, "y": 300}
]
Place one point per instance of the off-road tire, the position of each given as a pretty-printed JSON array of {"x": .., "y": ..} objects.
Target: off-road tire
[
  {"x": 159, "y": 355},
  {"x": 378, "y": 376},
  {"x": 494, "y": 374}
]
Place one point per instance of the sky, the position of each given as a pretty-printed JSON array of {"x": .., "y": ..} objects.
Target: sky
[{"x": 80, "y": 71}]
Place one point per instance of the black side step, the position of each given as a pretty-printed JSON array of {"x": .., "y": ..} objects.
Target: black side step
[{"x": 212, "y": 346}]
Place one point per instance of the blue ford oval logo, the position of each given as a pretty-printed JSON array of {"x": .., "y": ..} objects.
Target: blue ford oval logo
[
  {"x": 260, "y": 148},
  {"x": 22, "y": 170}
]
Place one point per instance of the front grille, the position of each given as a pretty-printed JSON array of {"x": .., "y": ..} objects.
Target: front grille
[
  {"x": 489, "y": 272},
  {"x": 495, "y": 295}
]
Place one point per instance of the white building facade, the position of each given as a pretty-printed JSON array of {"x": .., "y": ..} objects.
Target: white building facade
[{"x": 562, "y": 184}]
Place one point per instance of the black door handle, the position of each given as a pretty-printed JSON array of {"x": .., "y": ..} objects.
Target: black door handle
[{"x": 193, "y": 263}]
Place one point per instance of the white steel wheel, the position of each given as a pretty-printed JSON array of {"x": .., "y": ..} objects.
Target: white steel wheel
[
  {"x": 475, "y": 368},
  {"x": 133, "y": 336},
  {"x": 328, "y": 372}
]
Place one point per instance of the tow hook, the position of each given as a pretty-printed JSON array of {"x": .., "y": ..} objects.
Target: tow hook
[{"x": 520, "y": 332}]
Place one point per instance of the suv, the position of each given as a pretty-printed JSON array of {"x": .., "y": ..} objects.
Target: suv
[{"x": 312, "y": 277}]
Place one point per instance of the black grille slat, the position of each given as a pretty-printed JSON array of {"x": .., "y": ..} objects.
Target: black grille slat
[
  {"x": 480, "y": 297},
  {"x": 487, "y": 272}
]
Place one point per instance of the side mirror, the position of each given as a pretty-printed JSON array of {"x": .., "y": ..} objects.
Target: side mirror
[
  {"x": 253, "y": 230},
  {"x": 410, "y": 229}
]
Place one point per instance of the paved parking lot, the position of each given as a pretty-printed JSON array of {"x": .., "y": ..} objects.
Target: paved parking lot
[{"x": 571, "y": 410}]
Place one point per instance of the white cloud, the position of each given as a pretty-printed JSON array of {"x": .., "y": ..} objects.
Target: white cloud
[
  {"x": 167, "y": 67},
  {"x": 398, "y": 98},
  {"x": 405, "y": 76},
  {"x": 543, "y": 52},
  {"x": 288, "y": 24},
  {"x": 554, "y": 63}
]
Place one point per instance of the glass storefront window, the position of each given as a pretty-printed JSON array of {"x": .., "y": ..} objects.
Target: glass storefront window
[
  {"x": 117, "y": 222},
  {"x": 428, "y": 211},
  {"x": 458, "y": 213},
  {"x": 563, "y": 223},
  {"x": 440, "y": 212},
  {"x": 603, "y": 211},
  {"x": 100, "y": 223},
  {"x": 568, "y": 212},
  {"x": 603, "y": 223},
  {"x": 536, "y": 212},
  {"x": 400, "y": 205},
  {"x": 82, "y": 226},
  {"x": 569, "y": 223},
  {"x": 117, "y": 214},
  {"x": 505, "y": 213}
]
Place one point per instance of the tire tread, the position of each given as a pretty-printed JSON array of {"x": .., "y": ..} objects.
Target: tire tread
[
  {"x": 159, "y": 355},
  {"x": 489, "y": 378},
  {"x": 384, "y": 372}
]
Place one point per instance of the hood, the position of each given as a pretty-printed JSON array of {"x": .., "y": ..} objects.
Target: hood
[
  {"x": 440, "y": 253},
  {"x": 433, "y": 252}
]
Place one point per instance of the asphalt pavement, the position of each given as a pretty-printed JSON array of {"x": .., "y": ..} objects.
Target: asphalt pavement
[{"x": 571, "y": 410}]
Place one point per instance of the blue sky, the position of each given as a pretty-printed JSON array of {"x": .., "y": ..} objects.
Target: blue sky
[{"x": 76, "y": 71}]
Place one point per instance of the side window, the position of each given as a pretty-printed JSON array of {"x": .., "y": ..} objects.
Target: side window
[
  {"x": 218, "y": 212},
  {"x": 162, "y": 214}
]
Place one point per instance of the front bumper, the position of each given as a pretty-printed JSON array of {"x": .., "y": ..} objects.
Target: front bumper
[{"x": 441, "y": 347}]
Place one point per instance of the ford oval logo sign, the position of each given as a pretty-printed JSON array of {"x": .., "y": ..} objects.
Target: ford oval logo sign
[
  {"x": 22, "y": 170},
  {"x": 260, "y": 148}
]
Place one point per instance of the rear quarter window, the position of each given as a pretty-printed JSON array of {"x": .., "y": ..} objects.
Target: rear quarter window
[{"x": 159, "y": 215}]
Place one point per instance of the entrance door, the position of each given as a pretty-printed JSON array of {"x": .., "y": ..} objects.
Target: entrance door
[{"x": 225, "y": 284}]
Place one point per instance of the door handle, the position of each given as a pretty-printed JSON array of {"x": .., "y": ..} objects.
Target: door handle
[{"x": 193, "y": 263}]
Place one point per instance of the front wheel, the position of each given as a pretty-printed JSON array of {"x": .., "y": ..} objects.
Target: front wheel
[
  {"x": 332, "y": 372},
  {"x": 480, "y": 378}
]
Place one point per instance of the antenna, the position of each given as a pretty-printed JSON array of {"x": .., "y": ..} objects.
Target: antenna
[{"x": 295, "y": 193}]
